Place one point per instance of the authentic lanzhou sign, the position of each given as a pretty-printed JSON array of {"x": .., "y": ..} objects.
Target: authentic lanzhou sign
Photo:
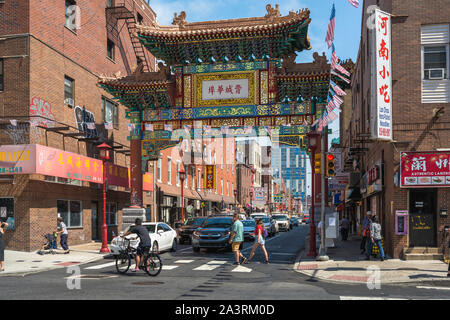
[{"x": 425, "y": 169}]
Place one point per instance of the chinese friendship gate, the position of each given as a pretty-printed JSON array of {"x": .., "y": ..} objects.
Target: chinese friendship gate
[{"x": 221, "y": 77}]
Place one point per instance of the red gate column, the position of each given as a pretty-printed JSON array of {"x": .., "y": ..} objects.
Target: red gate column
[{"x": 136, "y": 174}]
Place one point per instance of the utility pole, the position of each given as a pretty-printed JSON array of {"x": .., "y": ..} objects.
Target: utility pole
[{"x": 322, "y": 252}]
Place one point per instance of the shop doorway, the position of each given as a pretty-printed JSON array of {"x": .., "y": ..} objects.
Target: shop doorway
[
  {"x": 422, "y": 218},
  {"x": 94, "y": 221}
]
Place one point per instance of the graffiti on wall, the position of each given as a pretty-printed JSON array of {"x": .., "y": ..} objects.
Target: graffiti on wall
[
  {"x": 85, "y": 122},
  {"x": 41, "y": 113}
]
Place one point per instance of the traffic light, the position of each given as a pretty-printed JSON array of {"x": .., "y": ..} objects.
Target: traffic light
[
  {"x": 330, "y": 165},
  {"x": 317, "y": 163}
]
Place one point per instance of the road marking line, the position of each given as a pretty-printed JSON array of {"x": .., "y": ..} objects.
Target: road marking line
[
  {"x": 185, "y": 249},
  {"x": 241, "y": 269},
  {"x": 169, "y": 267},
  {"x": 210, "y": 265},
  {"x": 434, "y": 288},
  {"x": 184, "y": 261},
  {"x": 283, "y": 254},
  {"x": 101, "y": 266},
  {"x": 368, "y": 298}
]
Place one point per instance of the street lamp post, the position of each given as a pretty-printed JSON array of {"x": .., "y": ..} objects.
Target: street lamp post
[
  {"x": 312, "y": 145},
  {"x": 104, "y": 156},
  {"x": 182, "y": 177},
  {"x": 251, "y": 202}
]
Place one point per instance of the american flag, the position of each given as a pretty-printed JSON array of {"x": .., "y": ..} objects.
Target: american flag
[
  {"x": 331, "y": 106},
  {"x": 330, "y": 32},
  {"x": 354, "y": 3},
  {"x": 332, "y": 116},
  {"x": 337, "y": 101},
  {"x": 91, "y": 125},
  {"x": 108, "y": 125},
  {"x": 340, "y": 76},
  {"x": 337, "y": 89}
]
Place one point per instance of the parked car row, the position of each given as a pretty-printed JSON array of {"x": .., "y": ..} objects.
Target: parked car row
[{"x": 205, "y": 232}]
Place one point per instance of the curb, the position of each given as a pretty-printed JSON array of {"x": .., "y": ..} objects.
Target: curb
[{"x": 302, "y": 254}]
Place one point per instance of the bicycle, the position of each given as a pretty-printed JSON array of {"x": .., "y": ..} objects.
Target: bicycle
[{"x": 151, "y": 262}]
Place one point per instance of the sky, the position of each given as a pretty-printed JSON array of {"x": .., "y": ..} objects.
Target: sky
[{"x": 347, "y": 30}]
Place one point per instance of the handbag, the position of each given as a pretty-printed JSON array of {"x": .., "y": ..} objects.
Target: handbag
[{"x": 264, "y": 233}]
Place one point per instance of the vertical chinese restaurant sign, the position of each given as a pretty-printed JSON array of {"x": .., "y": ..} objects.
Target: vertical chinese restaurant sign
[
  {"x": 210, "y": 177},
  {"x": 34, "y": 158},
  {"x": 382, "y": 121},
  {"x": 425, "y": 169}
]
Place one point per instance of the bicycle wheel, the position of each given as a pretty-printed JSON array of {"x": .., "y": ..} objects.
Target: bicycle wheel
[
  {"x": 152, "y": 264},
  {"x": 123, "y": 262}
]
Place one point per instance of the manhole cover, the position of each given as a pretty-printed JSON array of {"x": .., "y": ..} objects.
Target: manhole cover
[{"x": 148, "y": 283}]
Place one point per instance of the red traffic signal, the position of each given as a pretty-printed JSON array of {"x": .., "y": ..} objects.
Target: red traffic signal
[{"x": 330, "y": 157}]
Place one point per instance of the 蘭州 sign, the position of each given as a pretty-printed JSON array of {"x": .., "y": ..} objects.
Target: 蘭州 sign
[{"x": 425, "y": 169}]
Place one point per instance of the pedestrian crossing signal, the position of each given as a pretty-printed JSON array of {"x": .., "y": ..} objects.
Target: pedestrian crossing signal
[
  {"x": 330, "y": 165},
  {"x": 317, "y": 163}
]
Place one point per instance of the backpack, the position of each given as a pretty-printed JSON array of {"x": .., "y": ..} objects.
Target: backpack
[{"x": 366, "y": 232}]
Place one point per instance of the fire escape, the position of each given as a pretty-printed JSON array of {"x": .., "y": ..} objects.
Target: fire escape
[{"x": 126, "y": 10}]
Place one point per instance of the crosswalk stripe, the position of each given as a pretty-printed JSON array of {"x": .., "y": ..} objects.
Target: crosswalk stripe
[
  {"x": 210, "y": 265},
  {"x": 169, "y": 267},
  {"x": 184, "y": 261},
  {"x": 101, "y": 266},
  {"x": 241, "y": 269}
]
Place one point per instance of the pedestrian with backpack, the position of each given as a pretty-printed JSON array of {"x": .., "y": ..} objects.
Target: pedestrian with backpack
[
  {"x": 260, "y": 235},
  {"x": 375, "y": 238},
  {"x": 366, "y": 231}
]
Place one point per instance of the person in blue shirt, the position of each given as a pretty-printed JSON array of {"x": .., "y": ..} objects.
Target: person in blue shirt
[
  {"x": 236, "y": 238},
  {"x": 366, "y": 231}
]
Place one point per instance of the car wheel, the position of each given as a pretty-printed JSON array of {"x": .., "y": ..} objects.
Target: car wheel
[
  {"x": 174, "y": 245},
  {"x": 196, "y": 249},
  {"x": 155, "y": 247}
]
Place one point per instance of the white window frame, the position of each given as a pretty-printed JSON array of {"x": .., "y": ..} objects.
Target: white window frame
[
  {"x": 199, "y": 179},
  {"x": 193, "y": 178},
  {"x": 158, "y": 170},
  {"x": 169, "y": 171},
  {"x": 447, "y": 49}
]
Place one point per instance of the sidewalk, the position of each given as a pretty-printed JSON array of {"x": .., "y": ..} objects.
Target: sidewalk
[
  {"x": 347, "y": 265},
  {"x": 22, "y": 263}
]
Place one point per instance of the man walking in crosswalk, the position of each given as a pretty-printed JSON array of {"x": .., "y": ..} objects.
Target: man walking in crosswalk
[{"x": 236, "y": 238}]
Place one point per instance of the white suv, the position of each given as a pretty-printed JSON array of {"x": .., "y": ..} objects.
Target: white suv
[{"x": 282, "y": 221}]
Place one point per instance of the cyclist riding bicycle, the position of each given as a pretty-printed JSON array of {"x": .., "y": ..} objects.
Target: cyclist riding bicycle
[{"x": 144, "y": 244}]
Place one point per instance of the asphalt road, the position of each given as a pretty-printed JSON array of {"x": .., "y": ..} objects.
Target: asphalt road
[{"x": 208, "y": 275}]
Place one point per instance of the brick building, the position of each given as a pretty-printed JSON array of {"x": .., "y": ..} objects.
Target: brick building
[
  {"x": 51, "y": 56},
  {"x": 208, "y": 151},
  {"x": 420, "y": 122}
]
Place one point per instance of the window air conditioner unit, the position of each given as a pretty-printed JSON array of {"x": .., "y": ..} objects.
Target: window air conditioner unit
[
  {"x": 69, "y": 101},
  {"x": 436, "y": 74}
]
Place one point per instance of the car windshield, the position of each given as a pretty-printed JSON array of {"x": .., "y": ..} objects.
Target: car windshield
[
  {"x": 280, "y": 217},
  {"x": 194, "y": 222},
  {"x": 217, "y": 223},
  {"x": 248, "y": 223},
  {"x": 266, "y": 220}
]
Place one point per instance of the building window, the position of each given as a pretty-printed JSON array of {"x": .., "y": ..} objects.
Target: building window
[
  {"x": 199, "y": 179},
  {"x": 70, "y": 13},
  {"x": 69, "y": 85},
  {"x": 435, "y": 62},
  {"x": 71, "y": 212},
  {"x": 7, "y": 212},
  {"x": 111, "y": 214},
  {"x": 159, "y": 170},
  {"x": 110, "y": 49},
  {"x": 193, "y": 178},
  {"x": 140, "y": 19},
  {"x": 2, "y": 85},
  {"x": 169, "y": 171},
  {"x": 109, "y": 3},
  {"x": 110, "y": 112}
]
